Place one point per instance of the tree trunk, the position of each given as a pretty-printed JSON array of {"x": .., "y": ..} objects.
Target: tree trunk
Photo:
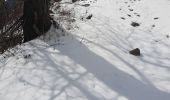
[{"x": 36, "y": 18}]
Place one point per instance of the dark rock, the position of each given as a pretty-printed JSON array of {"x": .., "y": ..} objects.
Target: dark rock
[
  {"x": 156, "y": 18},
  {"x": 129, "y": 15},
  {"x": 89, "y": 17},
  {"x": 27, "y": 56},
  {"x": 167, "y": 36},
  {"x": 135, "y": 24},
  {"x": 138, "y": 15},
  {"x": 153, "y": 25},
  {"x": 123, "y": 18},
  {"x": 57, "y": 0},
  {"x": 130, "y": 9},
  {"x": 86, "y": 5},
  {"x": 135, "y": 52},
  {"x": 74, "y": 1}
]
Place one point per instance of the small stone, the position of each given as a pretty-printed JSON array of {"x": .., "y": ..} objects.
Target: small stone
[
  {"x": 167, "y": 36},
  {"x": 129, "y": 15},
  {"x": 27, "y": 56},
  {"x": 130, "y": 9},
  {"x": 123, "y": 18},
  {"x": 86, "y": 5},
  {"x": 74, "y": 1},
  {"x": 135, "y": 24},
  {"x": 153, "y": 25},
  {"x": 138, "y": 15},
  {"x": 156, "y": 18},
  {"x": 89, "y": 17},
  {"x": 135, "y": 52}
]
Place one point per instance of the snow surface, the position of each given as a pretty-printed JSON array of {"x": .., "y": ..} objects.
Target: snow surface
[{"x": 90, "y": 59}]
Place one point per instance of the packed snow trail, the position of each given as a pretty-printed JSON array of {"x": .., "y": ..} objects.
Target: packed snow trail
[{"x": 92, "y": 60}]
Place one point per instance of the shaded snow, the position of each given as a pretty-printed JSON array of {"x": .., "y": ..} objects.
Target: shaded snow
[{"x": 91, "y": 61}]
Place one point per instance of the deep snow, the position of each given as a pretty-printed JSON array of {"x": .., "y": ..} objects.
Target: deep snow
[{"x": 90, "y": 59}]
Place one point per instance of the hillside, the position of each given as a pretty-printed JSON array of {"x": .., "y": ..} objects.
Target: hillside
[{"x": 86, "y": 57}]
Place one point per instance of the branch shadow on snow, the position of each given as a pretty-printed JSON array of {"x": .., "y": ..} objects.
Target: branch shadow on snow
[
  {"x": 157, "y": 54},
  {"x": 78, "y": 69},
  {"x": 82, "y": 71}
]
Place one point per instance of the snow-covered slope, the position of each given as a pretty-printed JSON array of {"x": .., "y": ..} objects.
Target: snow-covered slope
[{"x": 89, "y": 59}]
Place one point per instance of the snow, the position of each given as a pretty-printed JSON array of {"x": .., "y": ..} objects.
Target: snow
[{"x": 90, "y": 59}]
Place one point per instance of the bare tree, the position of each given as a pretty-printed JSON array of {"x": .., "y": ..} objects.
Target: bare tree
[
  {"x": 35, "y": 21},
  {"x": 36, "y": 18}
]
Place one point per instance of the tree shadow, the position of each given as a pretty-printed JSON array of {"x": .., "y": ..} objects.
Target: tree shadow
[
  {"x": 113, "y": 79},
  {"x": 157, "y": 56},
  {"x": 59, "y": 70}
]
